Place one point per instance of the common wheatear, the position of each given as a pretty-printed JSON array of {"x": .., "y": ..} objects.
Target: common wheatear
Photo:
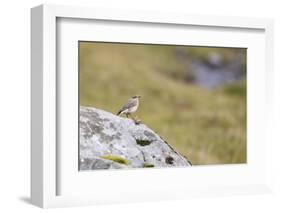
[{"x": 130, "y": 107}]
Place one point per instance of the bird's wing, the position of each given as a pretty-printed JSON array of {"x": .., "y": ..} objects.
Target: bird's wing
[{"x": 130, "y": 103}]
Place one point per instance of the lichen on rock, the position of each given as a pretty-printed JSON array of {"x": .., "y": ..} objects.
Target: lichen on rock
[{"x": 108, "y": 141}]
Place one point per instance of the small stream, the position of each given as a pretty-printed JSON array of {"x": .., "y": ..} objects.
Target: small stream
[
  {"x": 210, "y": 76},
  {"x": 214, "y": 70}
]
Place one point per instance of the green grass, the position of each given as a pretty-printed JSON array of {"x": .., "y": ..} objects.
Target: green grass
[
  {"x": 237, "y": 89},
  {"x": 207, "y": 126},
  {"x": 116, "y": 159}
]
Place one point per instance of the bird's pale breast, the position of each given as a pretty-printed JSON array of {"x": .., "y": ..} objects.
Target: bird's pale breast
[{"x": 135, "y": 107}]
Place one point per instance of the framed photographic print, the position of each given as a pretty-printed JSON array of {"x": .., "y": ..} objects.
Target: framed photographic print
[{"x": 130, "y": 106}]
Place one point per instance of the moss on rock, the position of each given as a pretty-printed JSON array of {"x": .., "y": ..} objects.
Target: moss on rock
[
  {"x": 116, "y": 159},
  {"x": 148, "y": 165}
]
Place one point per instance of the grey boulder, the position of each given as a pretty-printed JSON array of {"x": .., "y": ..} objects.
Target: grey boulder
[{"x": 108, "y": 141}]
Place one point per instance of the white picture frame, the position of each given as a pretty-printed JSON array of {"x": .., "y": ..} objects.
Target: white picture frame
[{"x": 46, "y": 178}]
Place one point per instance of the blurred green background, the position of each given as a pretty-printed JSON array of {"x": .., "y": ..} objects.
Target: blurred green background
[{"x": 193, "y": 97}]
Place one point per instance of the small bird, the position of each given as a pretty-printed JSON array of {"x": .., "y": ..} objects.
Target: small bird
[{"x": 130, "y": 107}]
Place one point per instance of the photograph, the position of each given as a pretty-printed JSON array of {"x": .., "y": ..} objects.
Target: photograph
[{"x": 147, "y": 105}]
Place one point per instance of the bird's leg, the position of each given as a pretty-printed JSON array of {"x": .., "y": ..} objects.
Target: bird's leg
[
  {"x": 136, "y": 120},
  {"x": 130, "y": 115},
  {"x": 127, "y": 115},
  {"x": 133, "y": 118}
]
